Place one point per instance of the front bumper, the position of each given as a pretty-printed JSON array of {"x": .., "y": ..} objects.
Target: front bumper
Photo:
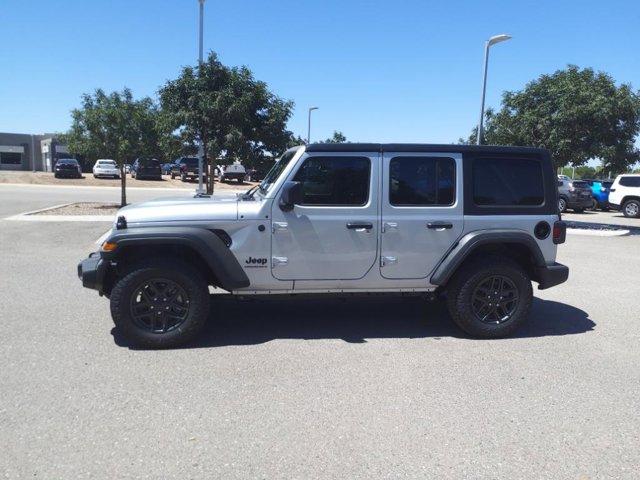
[
  {"x": 551, "y": 275},
  {"x": 68, "y": 173},
  {"x": 91, "y": 271}
]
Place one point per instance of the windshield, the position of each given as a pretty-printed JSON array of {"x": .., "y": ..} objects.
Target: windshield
[
  {"x": 276, "y": 170},
  {"x": 108, "y": 163}
]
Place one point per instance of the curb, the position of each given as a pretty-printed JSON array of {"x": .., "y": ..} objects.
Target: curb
[{"x": 597, "y": 233}]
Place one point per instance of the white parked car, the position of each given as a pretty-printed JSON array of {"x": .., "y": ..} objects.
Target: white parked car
[
  {"x": 624, "y": 195},
  {"x": 235, "y": 171},
  {"x": 106, "y": 168}
]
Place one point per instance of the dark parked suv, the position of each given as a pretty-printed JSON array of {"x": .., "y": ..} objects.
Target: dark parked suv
[
  {"x": 67, "y": 167},
  {"x": 186, "y": 168},
  {"x": 148, "y": 168},
  {"x": 574, "y": 195}
]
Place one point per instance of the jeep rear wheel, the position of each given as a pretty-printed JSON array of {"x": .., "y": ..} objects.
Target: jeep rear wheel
[
  {"x": 490, "y": 297},
  {"x": 631, "y": 208},
  {"x": 160, "y": 304}
]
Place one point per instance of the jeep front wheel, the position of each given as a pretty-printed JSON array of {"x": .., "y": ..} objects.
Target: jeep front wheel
[
  {"x": 160, "y": 304},
  {"x": 490, "y": 297}
]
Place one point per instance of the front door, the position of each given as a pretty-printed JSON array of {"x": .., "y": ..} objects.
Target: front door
[
  {"x": 333, "y": 233},
  {"x": 422, "y": 211}
]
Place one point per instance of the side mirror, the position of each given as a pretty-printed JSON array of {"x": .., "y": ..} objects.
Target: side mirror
[{"x": 291, "y": 196}]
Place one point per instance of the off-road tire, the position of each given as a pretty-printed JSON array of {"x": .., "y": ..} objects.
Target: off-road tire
[
  {"x": 462, "y": 286},
  {"x": 187, "y": 277},
  {"x": 628, "y": 210}
]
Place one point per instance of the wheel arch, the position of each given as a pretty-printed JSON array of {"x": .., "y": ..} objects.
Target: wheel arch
[
  {"x": 626, "y": 198},
  {"x": 204, "y": 249},
  {"x": 515, "y": 244}
]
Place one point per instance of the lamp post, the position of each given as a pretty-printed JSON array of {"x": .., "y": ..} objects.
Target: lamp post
[
  {"x": 492, "y": 41},
  {"x": 309, "y": 125},
  {"x": 200, "y": 190}
]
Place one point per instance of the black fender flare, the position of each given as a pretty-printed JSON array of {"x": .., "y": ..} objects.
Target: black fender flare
[
  {"x": 207, "y": 244},
  {"x": 471, "y": 241}
]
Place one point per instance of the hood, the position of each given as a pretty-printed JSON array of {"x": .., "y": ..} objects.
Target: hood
[{"x": 182, "y": 210}]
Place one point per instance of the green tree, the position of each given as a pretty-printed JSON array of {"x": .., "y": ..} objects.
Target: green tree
[
  {"x": 233, "y": 115},
  {"x": 114, "y": 126},
  {"x": 578, "y": 114},
  {"x": 337, "y": 137}
]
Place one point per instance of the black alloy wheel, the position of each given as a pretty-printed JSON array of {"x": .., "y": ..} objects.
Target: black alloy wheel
[
  {"x": 159, "y": 305},
  {"x": 495, "y": 300}
]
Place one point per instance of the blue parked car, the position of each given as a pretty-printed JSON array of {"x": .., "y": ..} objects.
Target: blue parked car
[{"x": 600, "y": 193}]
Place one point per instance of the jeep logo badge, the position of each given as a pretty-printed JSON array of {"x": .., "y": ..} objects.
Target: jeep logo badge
[{"x": 255, "y": 262}]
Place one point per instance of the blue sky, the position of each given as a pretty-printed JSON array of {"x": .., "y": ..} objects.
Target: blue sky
[{"x": 403, "y": 71}]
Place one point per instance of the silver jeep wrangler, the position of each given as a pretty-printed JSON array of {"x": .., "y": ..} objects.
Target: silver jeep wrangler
[{"x": 476, "y": 224}]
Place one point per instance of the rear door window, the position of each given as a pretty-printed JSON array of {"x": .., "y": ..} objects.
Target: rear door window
[
  {"x": 510, "y": 182},
  {"x": 422, "y": 181},
  {"x": 630, "y": 181}
]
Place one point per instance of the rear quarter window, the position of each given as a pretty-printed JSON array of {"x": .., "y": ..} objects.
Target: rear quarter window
[
  {"x": 507, "y": 182},
  {"x": 630, "y": 181}
]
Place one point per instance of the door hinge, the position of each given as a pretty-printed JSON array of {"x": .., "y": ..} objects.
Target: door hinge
[
  {"x": 279, "y": 227},
  {"x": 277, "y": 261},
  {"x": 388, "y": 226},
  {"x": 384, "y": 261}
]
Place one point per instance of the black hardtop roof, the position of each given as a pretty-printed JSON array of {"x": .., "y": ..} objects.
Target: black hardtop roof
[{"x": 419, "y": 147}]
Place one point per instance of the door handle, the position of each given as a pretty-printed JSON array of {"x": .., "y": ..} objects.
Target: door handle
[
  {"x": 359, "y": 226},
  {"x": 439, "y": 225}
]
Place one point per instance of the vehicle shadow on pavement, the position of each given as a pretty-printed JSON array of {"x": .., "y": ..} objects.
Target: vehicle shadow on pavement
[{"x": 354, "y": 320}]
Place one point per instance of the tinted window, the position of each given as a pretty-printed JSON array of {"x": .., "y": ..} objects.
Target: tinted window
[
  {"x": 335, "y": 180},
  {"x": 148, "y": 162},
  {"x": 190, "y": 161},
  {"x": 607, "y": 184},
  {"x": 422, "y": 181},
  {"x": 580, "y": 184},
  {"x": 507, "y": 182},
  {"x": 630, "y": 181}
]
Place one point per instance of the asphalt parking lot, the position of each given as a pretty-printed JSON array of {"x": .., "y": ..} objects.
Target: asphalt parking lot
[{"x": 362, "y": 388}]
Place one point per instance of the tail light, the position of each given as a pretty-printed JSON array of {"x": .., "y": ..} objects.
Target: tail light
[{"x": 559, "y": 232}]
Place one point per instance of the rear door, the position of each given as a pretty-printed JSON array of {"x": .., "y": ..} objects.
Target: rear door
[{"x": 422, "y": 211}]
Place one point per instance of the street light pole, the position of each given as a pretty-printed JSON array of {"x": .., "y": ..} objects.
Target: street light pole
[
  {"x": 309, "y": 125},
  {"x": 492, "y": 41},
  {"x": 200, "y": 190}
]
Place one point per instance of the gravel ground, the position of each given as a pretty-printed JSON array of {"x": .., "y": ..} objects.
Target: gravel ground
[
  {"x": 83, "y": 208},
  {"x": 45, "y": 178}
]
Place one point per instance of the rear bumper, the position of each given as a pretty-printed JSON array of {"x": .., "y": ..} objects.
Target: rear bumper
[
  {"x": 234, "y": 175},
  {"x": 91, "y": 271},
  {"x": 551, "y": 275},
  {"x": 579, "y": 202}
]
